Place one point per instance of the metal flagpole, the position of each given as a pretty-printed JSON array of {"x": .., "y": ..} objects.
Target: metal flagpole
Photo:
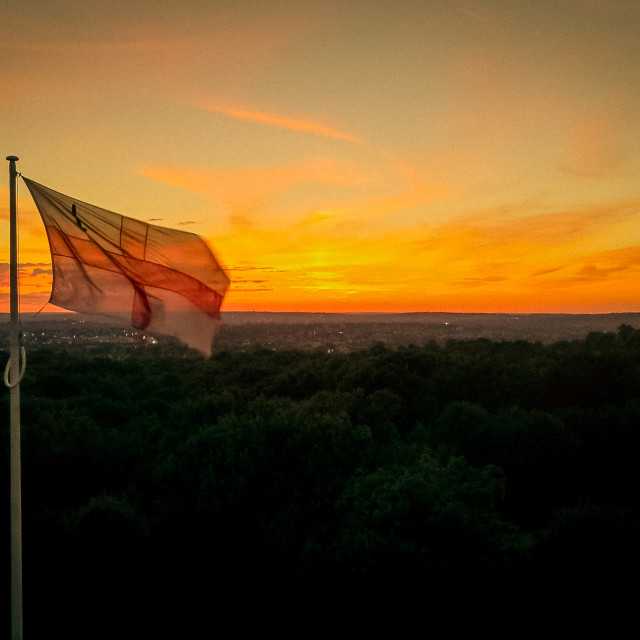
[{"x": 12, "y": 380}]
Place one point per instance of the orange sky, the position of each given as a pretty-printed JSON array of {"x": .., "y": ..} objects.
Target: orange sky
[{"x": 469, "y": 155}]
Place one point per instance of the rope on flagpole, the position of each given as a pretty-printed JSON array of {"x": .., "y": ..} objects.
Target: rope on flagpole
[{"x": 23, "y": 366}]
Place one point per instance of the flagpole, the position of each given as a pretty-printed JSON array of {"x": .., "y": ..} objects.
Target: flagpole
[{"x": 13, "y": 381}]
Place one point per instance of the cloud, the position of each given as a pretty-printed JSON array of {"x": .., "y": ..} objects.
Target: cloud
[
  {"x": 605, "y": 264},
  {"x": 364, "y": 195},
  {"x": 545, "y": 272},
  {"x": 23, "y": 271},
  {"x": 126, "y": 50},
  {"x": 478, "y": 282},
  {"x": 397, "y": 199},
  {"x": 249, "y": 268},
  {"x": 284, "y": 122},
  {"x": 246, "y": 191},
  {"x": 518, "y": 224},
  {"x": 593, "y": 272}
]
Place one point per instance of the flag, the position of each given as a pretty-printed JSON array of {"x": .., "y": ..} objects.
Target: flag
[{"x": 160, "y": 280}]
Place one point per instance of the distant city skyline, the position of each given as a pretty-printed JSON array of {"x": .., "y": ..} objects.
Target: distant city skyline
[{"x": 460, "y": 156}]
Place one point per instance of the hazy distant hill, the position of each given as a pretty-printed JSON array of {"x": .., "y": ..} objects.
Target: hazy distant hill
[
  {"x": 345, "y": 331},
  {"x": 330, "y": 331}
]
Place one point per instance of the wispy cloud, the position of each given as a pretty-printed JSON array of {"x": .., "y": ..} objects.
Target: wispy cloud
[
  {"x": 245, "y": 192},
  {"x": 284, "y": 122},
  {"x": 329, "y": 195}
]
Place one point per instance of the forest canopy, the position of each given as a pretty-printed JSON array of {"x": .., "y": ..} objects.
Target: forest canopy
[{"x": 477, "y": 484}]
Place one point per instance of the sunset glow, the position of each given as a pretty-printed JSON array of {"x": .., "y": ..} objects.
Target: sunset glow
[{"x": 464, "y": 156}]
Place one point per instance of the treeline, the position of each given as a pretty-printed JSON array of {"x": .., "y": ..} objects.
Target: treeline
[{"x": 470, "y": 486}]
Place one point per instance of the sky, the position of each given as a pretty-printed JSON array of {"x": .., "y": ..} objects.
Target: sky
[{"x": 352, "y": 156}]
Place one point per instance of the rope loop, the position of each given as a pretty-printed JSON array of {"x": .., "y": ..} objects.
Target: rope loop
[{"x": 23, "y": 366}]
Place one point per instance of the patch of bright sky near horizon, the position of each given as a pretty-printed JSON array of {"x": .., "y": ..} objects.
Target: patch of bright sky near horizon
[{"x": 460, "y": 155}]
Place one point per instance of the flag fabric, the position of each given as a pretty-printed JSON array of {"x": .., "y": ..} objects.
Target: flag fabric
[{"x": 160, "y": 280}]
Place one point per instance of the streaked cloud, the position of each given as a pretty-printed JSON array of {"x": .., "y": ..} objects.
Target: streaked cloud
[
  {"x": 282, "y": 121},
  {"x": 247, "y": 194},
  {"x": 42, "y": 272}
]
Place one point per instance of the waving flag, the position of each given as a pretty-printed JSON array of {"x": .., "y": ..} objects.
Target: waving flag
[{"x": 160, "y": 280}]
